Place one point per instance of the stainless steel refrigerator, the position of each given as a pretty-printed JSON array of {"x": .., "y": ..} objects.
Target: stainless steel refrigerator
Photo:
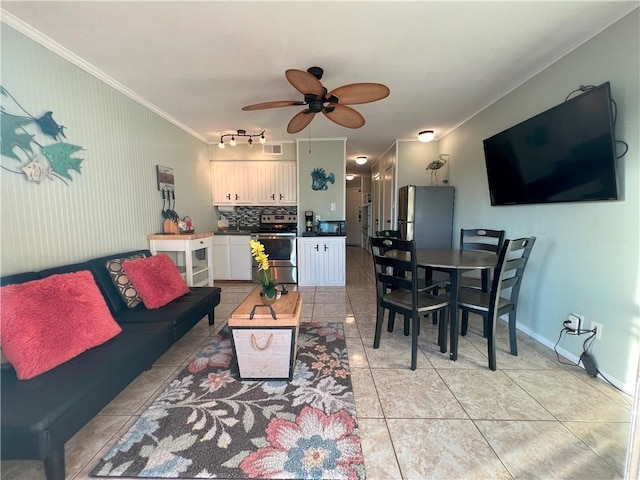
[{"x": 425, "y": 214}]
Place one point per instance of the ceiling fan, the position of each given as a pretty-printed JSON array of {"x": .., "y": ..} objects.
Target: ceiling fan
[{"x": 332, "y": 104}]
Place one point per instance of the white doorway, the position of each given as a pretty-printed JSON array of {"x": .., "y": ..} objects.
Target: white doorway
[{"x": 354, "y": 216}]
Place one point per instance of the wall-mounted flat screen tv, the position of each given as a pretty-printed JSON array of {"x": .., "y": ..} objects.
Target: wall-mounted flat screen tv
[{"x": 566, "y": 154}]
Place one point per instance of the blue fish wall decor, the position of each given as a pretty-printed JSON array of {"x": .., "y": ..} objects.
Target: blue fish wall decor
[
  {"x": 38, "y": 158},
  {"x": 320, "y": 179}
]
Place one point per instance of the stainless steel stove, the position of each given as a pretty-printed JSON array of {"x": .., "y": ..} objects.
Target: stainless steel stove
[{"x": 277, "y": 232}]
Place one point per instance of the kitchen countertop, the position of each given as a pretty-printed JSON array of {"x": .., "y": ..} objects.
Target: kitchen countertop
[
  {"x": 178, "y": 236},
  {"x": 316, "y": 234},
  {"x": 232, "y": 232}
]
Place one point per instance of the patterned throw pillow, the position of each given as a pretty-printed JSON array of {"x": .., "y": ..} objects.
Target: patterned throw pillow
[{"x": 126, "y": 289}]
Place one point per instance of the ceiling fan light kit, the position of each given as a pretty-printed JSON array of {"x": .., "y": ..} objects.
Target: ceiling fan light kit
[
  {"x": 426, "y": 136},
  {"x": 361, "y": 160},
  {"x": 332, "y": 104},
  {"x": 240, "y": 133}
]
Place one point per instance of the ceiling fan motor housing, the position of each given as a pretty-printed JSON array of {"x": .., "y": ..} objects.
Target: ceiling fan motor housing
[{"x": 316, "y": 72}]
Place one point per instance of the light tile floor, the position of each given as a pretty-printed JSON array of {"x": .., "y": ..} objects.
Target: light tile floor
[{"x": 533, "y": 418}]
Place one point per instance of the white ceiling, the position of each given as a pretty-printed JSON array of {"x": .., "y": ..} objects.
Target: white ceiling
[{"x": 200, "y": 62}]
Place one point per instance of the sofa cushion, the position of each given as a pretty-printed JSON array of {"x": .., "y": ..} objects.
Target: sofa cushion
[
  {"x": 44, "y": 412},
  {"x": 49, "y": 321},
  {"x": 156, "y": 279},
  {"x": 126, "y": 289}
]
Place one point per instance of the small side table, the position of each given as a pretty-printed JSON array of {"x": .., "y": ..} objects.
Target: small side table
[
  {"x": 265, "y": 347},
  {"x": 196, "y": 273}
]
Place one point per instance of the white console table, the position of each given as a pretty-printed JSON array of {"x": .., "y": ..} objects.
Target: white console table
[{"x": 197, "y": 273}]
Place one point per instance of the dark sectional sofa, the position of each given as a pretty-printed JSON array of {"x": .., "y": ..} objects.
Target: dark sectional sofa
[{"x": 39, "y": 415}]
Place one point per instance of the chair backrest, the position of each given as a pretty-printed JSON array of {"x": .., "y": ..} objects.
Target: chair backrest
[
  {"x": 509, "y": 271},
  {"x": 388, "y": 233},
  {"x": 481, "y": 239},
  {"x": 394, "y": 262}
]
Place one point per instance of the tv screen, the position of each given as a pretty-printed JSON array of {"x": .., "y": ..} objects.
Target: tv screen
[{"x": 566, "y": 154}]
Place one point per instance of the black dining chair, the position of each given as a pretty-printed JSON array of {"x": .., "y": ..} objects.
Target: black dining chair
[
  {"x": 398, "y": 291},
  {"x": 508, "y": 274},
  {"x": 482, "y": 239}
]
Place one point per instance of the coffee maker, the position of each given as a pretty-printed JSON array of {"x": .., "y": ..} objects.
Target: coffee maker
[{"x": 308, "y": 220}]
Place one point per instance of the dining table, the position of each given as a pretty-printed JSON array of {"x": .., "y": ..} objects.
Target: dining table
[{"x": 454, "y": 262}]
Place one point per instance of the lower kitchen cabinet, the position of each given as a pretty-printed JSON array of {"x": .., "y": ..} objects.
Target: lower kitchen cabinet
[
  {"x": 321, "y": 261},
  {"x": 231, "y": 257}
]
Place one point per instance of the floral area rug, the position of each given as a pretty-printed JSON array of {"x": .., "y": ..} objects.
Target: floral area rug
[{"x": 209, "y": 424}]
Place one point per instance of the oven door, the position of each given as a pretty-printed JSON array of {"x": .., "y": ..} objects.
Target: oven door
[{"x": 281, "y": 248}]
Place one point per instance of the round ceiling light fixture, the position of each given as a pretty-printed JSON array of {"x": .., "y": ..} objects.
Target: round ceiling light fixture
[
  {"x": 349, "y": 177},
  {"x": 426, "y": 136},
  {"x": 361, "y": 160}
]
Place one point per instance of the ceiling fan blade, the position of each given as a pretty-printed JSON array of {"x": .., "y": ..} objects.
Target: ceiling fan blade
[
  {"x": 299, "y": 121},
  {"x": 356, "y": 93},
  {"x": 276, "y": 104},
  {"x": 304, "y": 82},
  {"x": 345, "y": 116}
]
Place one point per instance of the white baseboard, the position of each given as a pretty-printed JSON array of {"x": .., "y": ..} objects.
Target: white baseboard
[{"x": 628, "y": 389}]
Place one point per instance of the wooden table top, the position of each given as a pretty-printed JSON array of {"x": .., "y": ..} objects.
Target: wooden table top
[
  {"x": 455, "y": 258},
  {"x": 287, "y": 309}
]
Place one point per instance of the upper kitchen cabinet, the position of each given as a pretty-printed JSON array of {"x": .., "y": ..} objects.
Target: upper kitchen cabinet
[
  {"x": 255, "y": 183},
  {"x": 276, "y": 183},
  {"x": 231, "y": 183}
]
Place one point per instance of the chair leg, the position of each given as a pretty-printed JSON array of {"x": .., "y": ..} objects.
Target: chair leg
[
  {"x": 414, "y": 341},
  {"x": 491, "y": 342},
  {"x": 464, "y": 324},
  {"x": 513, "y": 340},
  {"x": 392, "y": 320},
  {"x": 434, "y": 318},
  {"x": 407, "y": 326},
  {"x": 379, "y": 320}
]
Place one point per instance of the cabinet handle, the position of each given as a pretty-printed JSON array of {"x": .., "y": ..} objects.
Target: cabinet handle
[
  {"x": 317, "y": 248},
  {"x": 237, "y": 196},
  {"x": 325, "y": 247},
  {"x": 281, "y": 196},
  {"x": 273, "y": 196},
  {"x": 201, "y": 242},
  {"x": 228, "y": 196}
]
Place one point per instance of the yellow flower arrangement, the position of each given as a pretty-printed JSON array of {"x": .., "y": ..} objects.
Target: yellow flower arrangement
[{"x": 257, "y": 251}]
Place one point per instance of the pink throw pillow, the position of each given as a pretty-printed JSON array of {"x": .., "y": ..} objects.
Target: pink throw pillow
[
  {"x": 156, "y": 279},
  {"x": 49, "y": 321}
]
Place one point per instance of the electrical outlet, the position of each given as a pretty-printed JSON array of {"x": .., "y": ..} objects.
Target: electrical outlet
[
  {"x": 576, "y": 322},
  {"x": 598, "y": 327}
]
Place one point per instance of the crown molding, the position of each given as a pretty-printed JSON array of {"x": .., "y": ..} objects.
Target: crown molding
[{"x": 38, "y": 37}]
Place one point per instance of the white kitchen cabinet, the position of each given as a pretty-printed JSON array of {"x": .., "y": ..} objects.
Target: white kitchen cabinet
[
  {"x": 254, "y": 183},
  {"x": 196, "y": 268},
  {"x": 220, "y": 256},
  {"x": 240, "y": 257},
  {"x": 231, "y": 257},
  {"x": 321, "y": 261},
  {"x": 231, "y": 183},
  {"x": 276, "y": 183}
]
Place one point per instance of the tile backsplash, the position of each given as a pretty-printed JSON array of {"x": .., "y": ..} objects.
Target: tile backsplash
[{"x": 249, "y": 216}]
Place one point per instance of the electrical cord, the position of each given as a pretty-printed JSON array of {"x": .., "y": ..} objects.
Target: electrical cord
[
  {"x": 614, "y": 112},
  {"x": 585, "y": 349}
]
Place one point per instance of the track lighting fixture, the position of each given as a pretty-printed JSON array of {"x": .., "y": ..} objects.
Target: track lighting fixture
[
  {"x": 361, "y": 160},
  {"x": 426, "y": 136},
  {"x": 240, "y": 133}
]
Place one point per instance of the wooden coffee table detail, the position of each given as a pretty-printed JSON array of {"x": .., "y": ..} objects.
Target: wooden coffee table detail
[{"x": 266, "y": 348}]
